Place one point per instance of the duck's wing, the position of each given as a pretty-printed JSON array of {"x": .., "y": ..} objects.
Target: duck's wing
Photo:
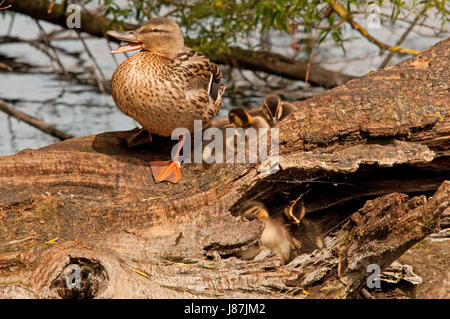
[{"x": 198, "y": 72}]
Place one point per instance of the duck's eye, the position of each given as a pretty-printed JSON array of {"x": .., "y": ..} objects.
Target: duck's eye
[{"x": 153, "y": 31}]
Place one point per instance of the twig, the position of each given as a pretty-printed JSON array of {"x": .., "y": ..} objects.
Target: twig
[
  {"x": 246, "y": 78},
  {"x": 366, "y": 294},
  {"x": 52, "y": 58},
  {"x": 99, "y": 76},
  {"x": 345, "y": 15},
  {"x": 403, "y": 38},
  {"x": 6, "y": 67},
  {"x": 37, "y": 123},
  {"x": 44, "y": 48},
  {"x": 168, "y": 13},
  {"x": 50, "y": 7},
  {"x": 291, "y": 207},
  {"x": 11, "y": 23},
  {"x": 47, "y": 42},
  {"x": 308, "y": 67},
  {"x": 4, "y": 8},
  {"x": 263, "y": 77},
  {"x": 108, "y": 43},
  {"x": 91, "y": 57},
  {"x": 37, "y": 42},
  {"x": 304, "y": 181},
  {"x": 52, "y": 34},
  {"x": 337, "y": 226},
  {"x": 437, "y": 31}
]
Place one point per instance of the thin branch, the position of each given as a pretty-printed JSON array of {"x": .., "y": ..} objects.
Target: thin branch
[
  {"x": 403, "y": 37},
  {"x": 52, "y": 34},
  {"x": 241, "y": 73},
  {"x": 168, "y": 13},
  {"x": 55, "y": 52},
  {"x": 345, "y": 15},
  {"x": 108, "y": 43},
  {"x": 99, "y": 76},
  {"x": 37, "y": 123},
  {"x": 4, "y": 8},
  {"x": 436, "y": 30},
  {"x": 6, "y": 67},
  {"x": 50, "y": 7},
  {"x": 366, "y": 294},
  {"x": 44, "y": 48},
  {"x": 91, "y": 57},
  {"x": 37, "y": 44},
  {"x": 11, "y": 23},
  {"x": 308, "y": 67}
]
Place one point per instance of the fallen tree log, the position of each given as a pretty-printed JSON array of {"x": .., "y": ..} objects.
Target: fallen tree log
[{"x": 371, "y": 159}]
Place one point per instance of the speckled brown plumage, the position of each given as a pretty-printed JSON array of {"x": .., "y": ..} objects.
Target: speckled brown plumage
[{"x": 163, "y": 93}]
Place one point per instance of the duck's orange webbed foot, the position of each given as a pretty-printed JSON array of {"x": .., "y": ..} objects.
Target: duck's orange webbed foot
[
  {"x": 136, "y": 137},
  {"x": 165, "y": 171}
]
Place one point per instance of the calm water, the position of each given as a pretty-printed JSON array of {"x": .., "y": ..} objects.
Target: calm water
[{"x": 81, "y": 110}]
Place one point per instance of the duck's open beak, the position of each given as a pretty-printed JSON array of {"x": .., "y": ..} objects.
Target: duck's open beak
[{"x": 128, "y": 36}]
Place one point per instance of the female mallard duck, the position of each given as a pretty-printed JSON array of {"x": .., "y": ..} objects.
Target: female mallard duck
[{"x": 164, "y": 86}]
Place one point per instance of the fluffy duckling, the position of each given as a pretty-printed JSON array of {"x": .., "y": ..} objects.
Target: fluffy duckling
[
  {"x": 239, "y": 117},
  {"x": 270, "y": 107},
  {"x": 163, "y": 87},
  {"x": 233, "y": 136},
  {"x": 307, "y": 236},
  {"x": 284, "y": 109},
  {"x": 274, "y": 236},
  {"x": 273, "y": 109},
  {"x": 228, "y": 143}
]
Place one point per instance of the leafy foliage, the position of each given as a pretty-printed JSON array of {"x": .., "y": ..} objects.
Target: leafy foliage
[{"x": 217, "y": 24}]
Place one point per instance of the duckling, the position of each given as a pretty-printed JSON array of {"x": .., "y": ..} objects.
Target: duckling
[
  {"x": 307, "y": 236},
  {"x": 284, "y": 109},
  {"x": 239, "y": 117},
  {"x": 228, "y": 143},
  {"x": 270, "y": 107},
  {"x": 164, "y": 86},
  {"x": 274, "y": 236},
  {"x": 273, "y": 110}
]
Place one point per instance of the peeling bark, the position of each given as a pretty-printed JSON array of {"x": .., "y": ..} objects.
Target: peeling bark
[{"x": 371, "y": 158}]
